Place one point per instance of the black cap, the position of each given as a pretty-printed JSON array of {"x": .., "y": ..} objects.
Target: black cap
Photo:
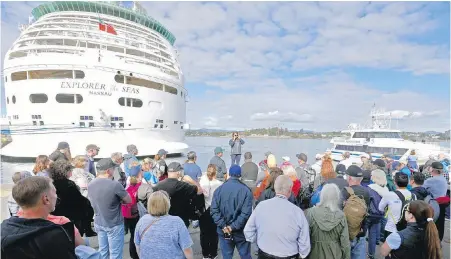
[
  {"x": 302, "y": 157},
  {"x": 437, "y": 165},
  {"x": 340, "y": 169},
  {"x": 175, "y": 167},
  {"x": 63, "y": 145},
  {"x": 379, "y": 162},
  {"x": 105, "y": 164},
  {"x": 354, "y": 171}
]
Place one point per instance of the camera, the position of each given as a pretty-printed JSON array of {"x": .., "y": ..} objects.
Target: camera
[{"x": 228, "y": 236}]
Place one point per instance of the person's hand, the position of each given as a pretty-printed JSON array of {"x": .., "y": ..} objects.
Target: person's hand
[{"x": 227, "y": 230}]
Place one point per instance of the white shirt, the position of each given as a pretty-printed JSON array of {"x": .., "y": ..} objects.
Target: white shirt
[
  {"x": 394, "y": 204},
  {"x": 209, "y": 187},
  {"x": 346, "y": 162},
  {"x": 279, "y": 227}
]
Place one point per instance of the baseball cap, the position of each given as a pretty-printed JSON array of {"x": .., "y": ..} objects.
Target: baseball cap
[
  {"x": 235, "y": 170},
  {"x": 302, "y": 157},
  {"x": 340, "y": 169},
  {"x": 437, "y": 165},
  {"x": 318, "y": 156},
  {"x": 354, "y": 171},
  {"x": 92, "y": 146},
  {"x": 365, "y": 155},
  {"x": 286, "y": 158},
  {"x": 134, "y": 170},
  {"x": 219, "y": 150},
  {"x": 175, "y": 167},
  {"x": 162, "y": 152},
  {"x": 379, "y": 162},
  {"x": 105, "y": 164},
  {"x": 63, "y": 145}
]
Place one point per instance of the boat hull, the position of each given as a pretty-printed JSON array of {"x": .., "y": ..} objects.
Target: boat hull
[{"x": 27, "y": 144}]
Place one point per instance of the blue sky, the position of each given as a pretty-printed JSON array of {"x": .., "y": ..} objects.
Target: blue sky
[{"x": 311, "y": 65}]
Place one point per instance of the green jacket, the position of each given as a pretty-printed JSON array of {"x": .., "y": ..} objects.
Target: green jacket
[{"x": 329, "y": 235}]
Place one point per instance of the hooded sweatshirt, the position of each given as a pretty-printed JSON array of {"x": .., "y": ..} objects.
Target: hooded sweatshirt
[
  {"x": 37, "y": 238},
  {"x": 328, "y": 234},
  {"x": 128, "y": 159},
  {"x": 420, "y": 192}
]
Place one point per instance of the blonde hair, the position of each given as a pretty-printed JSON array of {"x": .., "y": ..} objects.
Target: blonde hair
[
  {"x": 211, "y": 171},
  {"x": 271, "y": 161},
  {"x": 42, "y": 163},
  {"x": 146, "y": 164},
  {"x": 412, "y": 152},
  {"x": 158, "y": 204},
  {"x": 79, "y": 161}
]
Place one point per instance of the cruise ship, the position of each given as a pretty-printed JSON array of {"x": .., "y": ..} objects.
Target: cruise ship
[
  {"x": 378, "y": 139},
  {"x": 101, "y": 73}
]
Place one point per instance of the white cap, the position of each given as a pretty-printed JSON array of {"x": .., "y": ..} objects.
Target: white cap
[
  {"x": 318, "y": 156},
  {"x": 365, "y": 155},
  {"x": 286, "y": 158}
]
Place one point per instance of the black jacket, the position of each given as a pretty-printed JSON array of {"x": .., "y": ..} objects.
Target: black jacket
[
  {"x": 420, "y": 192},
  {"x": 37, "y": 239},
  {"x": 72, "y": 204}
]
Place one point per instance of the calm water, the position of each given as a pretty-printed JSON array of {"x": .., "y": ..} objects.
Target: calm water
[{"x": 204, "y": 147}]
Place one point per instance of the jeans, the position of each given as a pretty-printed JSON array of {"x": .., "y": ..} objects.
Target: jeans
[
  {"x": 131, "y": 224},
  {"x": 111, "y": 241},
  {"x": 374, "y": 233},
  {"x": 382, "y": 231},
  {"x": 236, "y": 159},
  {"x": 238, "y": 241},
  {"x": 208, "y": 235},
  {"x": 358, "y": 248}
]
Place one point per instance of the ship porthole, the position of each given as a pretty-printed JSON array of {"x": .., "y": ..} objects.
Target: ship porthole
[
  {"x": 14, "y": 99},
  {"x": 7, "y": 100}
]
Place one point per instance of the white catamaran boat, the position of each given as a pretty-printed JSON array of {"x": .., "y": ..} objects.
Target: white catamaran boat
[
  {"x": 379, "y": 139},
  {"x": 94, "y": 72}
]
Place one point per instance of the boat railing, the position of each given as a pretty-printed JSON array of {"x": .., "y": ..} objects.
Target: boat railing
[{"x": 347, "y": 140}]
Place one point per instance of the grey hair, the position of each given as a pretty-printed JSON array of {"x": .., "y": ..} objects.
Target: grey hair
[
  {"x": 116, "y": 156},
  {"x": 283, "y": 184},
  {"x": 330, "y": 197},
  {"x": 248, "y": 155},
  {"x": 289, "y": 170},
  {"x": 191, "y": 155},
  {"x": 132, "y": 149}
]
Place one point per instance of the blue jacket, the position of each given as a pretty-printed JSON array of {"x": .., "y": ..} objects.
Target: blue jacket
[
  {"x": 232, "y": 205},
  {"x": 128, "y": 159},
  {"x": 90, "y": 166}
]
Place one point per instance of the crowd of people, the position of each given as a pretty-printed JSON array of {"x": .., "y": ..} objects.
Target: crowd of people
[{"x": 286, "y": 210}]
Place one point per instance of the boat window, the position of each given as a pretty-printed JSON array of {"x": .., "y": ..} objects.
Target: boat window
[
  {"x": 119, "y": 79},
  {"x": 79, "y": 74},
  {"x": 7, "y": 100},
  {"x": 170, "y": 89},
  {"x": 399, "y": 151},
  {"x": 14, "y": 99},
  {"x": 69, "y": 98},
  {"x": 130, "y": 102},
  {"x": 17, "y": 76},
  {"x": 376, "y": 135},
  {"x": 38, "y": 98},
  {"x": 50, "y": 74},
  {"x": 144, "y": 83}
]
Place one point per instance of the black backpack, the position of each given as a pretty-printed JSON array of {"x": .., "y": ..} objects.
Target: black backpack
[{"x": 402, "y": 223}]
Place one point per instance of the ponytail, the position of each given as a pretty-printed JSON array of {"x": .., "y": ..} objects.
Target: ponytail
[
  {"x": 423, "y": 214},
  {"x": 432, "y": 240}
]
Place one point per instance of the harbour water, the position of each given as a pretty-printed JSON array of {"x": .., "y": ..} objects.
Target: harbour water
[{"x": 204, "y": 147}]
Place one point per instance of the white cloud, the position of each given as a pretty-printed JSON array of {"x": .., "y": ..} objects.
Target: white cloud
[
  {"x": 400, "y": 114},
  {"x": 211, "y": 121},
  {"x": 281, "y": 117}
]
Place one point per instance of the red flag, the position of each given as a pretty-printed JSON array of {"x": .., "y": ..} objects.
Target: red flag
[{"x": 106, "y": 27}]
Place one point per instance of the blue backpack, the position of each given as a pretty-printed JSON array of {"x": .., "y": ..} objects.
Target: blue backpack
[
  {"x": 316, "y": 196},
  {"x": 373, "y": 209}
]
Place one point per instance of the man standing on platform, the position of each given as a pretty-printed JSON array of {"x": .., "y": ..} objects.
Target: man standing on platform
[{"x": 235, "y": 143}]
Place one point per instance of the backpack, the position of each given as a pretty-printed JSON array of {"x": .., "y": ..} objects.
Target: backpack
[
  {"x": 355, "y": 211},
  {"x": 402, "y": 223},
  {"x": 316, "y": 196},
  {"x": 130, "y": 210},
  {"x": 375, "y": 199},
  {"x": 434, "y": 205}
]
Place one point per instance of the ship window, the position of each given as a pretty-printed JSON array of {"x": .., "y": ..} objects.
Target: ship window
[
  {"x": 93, "y": 46},
  {"x": 119, "y": 79},
  {"x": 50, "y": 74},
  {"x": 176, "y": 122},
  {"x": 38, "y": 98},
  {"x": 91, "y": 124},
  {"x": 69, "y": 98},
  {"x": 79, "y": 74},
  {"x": 82, "y": 124},
  {"x": 155, "y": 126},
  {"x": 170, "y": 89},
  {"x": 121, "y": 101},
  {"x": 41, "y": 123},
  {"x": 17, "y": 76},
  {"x": 121, "y": 125},
  {"x": 7, "y": 100},
  {"x": 145, "y": 83},
  {"x": 34, "y": 123},
  {"x": 14, "y": 99},
  {"x": 161, "y": 126},
  {"x": 6, "y": 79},
  {"x": 130, "y": 102}
]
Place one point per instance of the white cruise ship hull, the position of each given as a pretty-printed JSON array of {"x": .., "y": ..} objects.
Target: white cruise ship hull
[{"x": 27, "y": 144}]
